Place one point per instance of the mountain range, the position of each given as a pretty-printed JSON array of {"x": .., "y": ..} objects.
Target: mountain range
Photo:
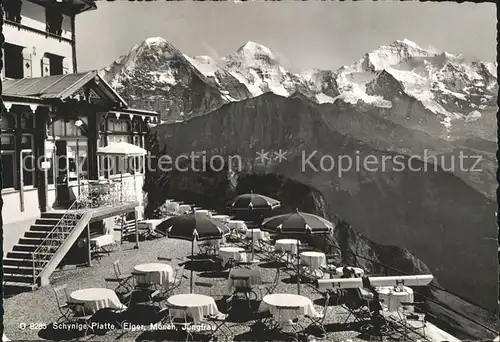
[{"x": 436, "y": 92}]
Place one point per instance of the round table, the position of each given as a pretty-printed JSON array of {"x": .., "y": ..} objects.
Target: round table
[
  {"x": 184, "y": 208},
  {"x": 95, "y": 299},
  {"x": 314, "y": 260},
  {"x": 358, "y": 272},
  {"x": 275, "y": 302},
  {"x": 202, "y": 212},
  {"x": 393, "y": 299},
  {"x": 237, "y": 225},
  {"x": 257, "y": 234},
  {"x": 226, "y": 253},
  {"x": 286, "y": 245},
  {"x": 198, "y": 306},
  {"x": 154, "y": 273},
  {"x": 222, "y": 218},
  {"x": 254, "y": 278}
]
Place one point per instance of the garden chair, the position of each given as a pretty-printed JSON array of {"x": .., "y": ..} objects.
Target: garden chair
[
  {"x": 319, "y": 321},
  {"x": 268, "y": 287}
]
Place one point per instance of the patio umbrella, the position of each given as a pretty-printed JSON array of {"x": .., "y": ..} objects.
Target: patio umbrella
[
  {"x": 297, "y": 223},
  {"x": 193, "y": 227},
  {"x": 252, "y": 203}
]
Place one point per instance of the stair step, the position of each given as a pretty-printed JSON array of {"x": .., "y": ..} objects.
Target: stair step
[
  {"x": 36, "y": 241},
  {"x": 13, "y": 287},
  {"x": 24, "y": 248},
  {"x": 18, "y": 278},
  {"x": 52, "y": 215},
  {"x": 41, "y": 228},
  {"x": 17, "y": 262},
  {"x": 40, "y": 235},
  {"x": 24, "y": 255},
  {"x": 47, "y": 221},
  {"x": 19, "y": 270}
]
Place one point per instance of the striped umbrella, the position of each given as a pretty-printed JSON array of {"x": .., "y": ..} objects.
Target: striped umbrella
[
  {"x": 193, "y": 227},
  {"x": 251, "y": 201},
  {"x": 297, "y": 224}
]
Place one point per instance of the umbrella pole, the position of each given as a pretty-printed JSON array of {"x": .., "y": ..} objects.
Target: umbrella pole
[
  {"x": 191, "y": 278},
  {"x": 298, "y": 267}
]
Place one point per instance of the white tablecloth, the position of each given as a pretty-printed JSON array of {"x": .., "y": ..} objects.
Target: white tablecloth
[
  {"x": 149, "y": 224},
  {"x": 276, "y": 301},
  {"x": 222, "y": 218},
  {"x": 154, "y": 273},
  {"x": 184, "y": 208},
  {"x": 96, "y": 299},
  {"x": 313, "y": 260},
  {"x": 393, "y": 299},
  {"x": 203, "y": 212},
  {"x": 358, "y": 272},
  {"x": 173, "y": 207},
  {"x": 286, "y": 245},
  {"x": 226, "y": 253},
  {"x": 254, "y": 278},
  {"x": 198, "y": 306},
  {"x": 257, "y": 234},
  {"x": 103, "y": 240},
  {"x": 237, "y": 225}
]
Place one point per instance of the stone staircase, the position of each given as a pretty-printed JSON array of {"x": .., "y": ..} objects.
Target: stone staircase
[{"x": 18, "y": 264}]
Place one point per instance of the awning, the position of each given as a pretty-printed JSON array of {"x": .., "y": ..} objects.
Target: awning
[{"x": 121, "y": 149}]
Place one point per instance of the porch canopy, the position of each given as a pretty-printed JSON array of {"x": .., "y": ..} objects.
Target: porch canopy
[{"x": 121, "y": 149}]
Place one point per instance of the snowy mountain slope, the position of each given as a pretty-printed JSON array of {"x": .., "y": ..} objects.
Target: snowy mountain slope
[{"x": 425, "y": 89}]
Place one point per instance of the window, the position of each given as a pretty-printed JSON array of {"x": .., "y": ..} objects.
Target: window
[
  {"x": 137, "y": 141},
  {"x": 53, "y": 18},
  {"x": 8, "y": 122},
  {"x": 116, "y": 125},
  {"x": 28, "y": 161},
  {"x": 62, "y": 128},
  {"x": 12, "y": 9},
  {"x": 13, "y": 55},
  {"x": 56, "y": 65},
  {"x": 136, "y": 126},
  {"x": 9, "y": 173},
  {"x": 113, "y": 138}
]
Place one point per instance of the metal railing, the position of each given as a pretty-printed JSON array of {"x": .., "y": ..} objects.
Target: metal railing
[
  {"x": 389, "y": 270},
  {"x": 93, "y": 195}
]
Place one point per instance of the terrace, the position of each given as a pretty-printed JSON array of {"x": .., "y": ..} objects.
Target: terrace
[{"x": 30, "y": 316}]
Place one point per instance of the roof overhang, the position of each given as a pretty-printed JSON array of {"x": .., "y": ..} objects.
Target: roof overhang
[
  {"x": 69, "y": 7},
  {"x": 87, "y": 86}
]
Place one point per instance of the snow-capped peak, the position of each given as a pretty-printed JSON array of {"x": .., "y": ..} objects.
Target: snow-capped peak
[
  {"x": 255, "y": 48},
  {"x": 155, "y": 41}
]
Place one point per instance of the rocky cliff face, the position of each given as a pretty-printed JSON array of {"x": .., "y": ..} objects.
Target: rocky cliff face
[{"x": 434, "y": 214}]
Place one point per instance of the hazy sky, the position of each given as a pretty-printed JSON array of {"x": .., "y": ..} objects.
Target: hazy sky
[{"x": 304, "y": 35}]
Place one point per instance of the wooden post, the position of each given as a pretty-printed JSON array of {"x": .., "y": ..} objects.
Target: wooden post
[
  {"x": 136, "y": 231},
  {"x": 191, "y": 277},
  {"x": 122, "y": 228},
  {"x": 21, "y": 181},
  {"x": 89, "y": 260},
  {"x": 298, "y": 267}
]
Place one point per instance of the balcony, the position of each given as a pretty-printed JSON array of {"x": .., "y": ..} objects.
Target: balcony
[{"x": 47, "y": 34}]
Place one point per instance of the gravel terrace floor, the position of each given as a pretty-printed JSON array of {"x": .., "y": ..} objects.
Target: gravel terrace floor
[{"x": 28, "y": 316}]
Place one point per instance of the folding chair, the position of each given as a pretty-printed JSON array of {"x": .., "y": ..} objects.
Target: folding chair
[
  {"x": 177, "y": 281},
  {"x": 120, "y": 278},
  {"x": 206, "y": 285},
  {"x": 71, "y": 312},
  {"x": 269, "y": 287},
  {"x": 178, "y": 317},
  {"x": 144, "y": 292},
  {"x": 62, "y": 299},
  {"x": 220, "y": 322},
  {"x": 357, "y": 306},
  {"x": 283, "y": 321},
  {"x": 413, "y": 321},
  {"x": 319, "y": 321},
  {"x": 243, "y": 288}
]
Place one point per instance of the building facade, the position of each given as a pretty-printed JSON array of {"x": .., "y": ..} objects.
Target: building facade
[{"x": 51, "y": 113}]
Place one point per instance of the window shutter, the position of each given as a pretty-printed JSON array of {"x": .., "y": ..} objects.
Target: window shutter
[
  {"x": 27, "y": 67},
  {"x": 45, "y": 66},
  {"x": 65, "y": 66}
]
